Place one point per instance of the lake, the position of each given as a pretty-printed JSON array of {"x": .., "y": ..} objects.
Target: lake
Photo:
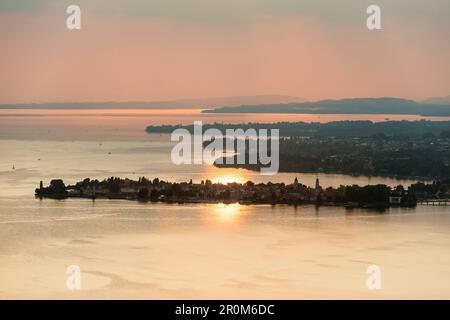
[{"x": 137, "y": 250}]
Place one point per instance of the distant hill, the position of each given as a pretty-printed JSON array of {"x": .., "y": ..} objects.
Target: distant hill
[
  {"x": 174, "y": 104},
  {"x": 437, "y": 100},
  {"x": 344, "y": 106}
]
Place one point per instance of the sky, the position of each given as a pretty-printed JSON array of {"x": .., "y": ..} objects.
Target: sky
[{"x": 151, "y": 50}]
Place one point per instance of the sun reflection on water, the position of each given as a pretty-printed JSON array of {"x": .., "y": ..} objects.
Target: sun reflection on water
[{"x": 227, "y": 213}]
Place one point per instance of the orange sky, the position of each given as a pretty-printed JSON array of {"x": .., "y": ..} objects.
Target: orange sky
[{"x": 116, "y": 57}]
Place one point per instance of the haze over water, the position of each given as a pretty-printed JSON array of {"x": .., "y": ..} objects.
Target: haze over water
[
  {"x": 120, "y": 125},
  {"x": 146, "y": 250}
]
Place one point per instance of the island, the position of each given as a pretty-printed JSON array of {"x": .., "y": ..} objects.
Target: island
[{"x": 156, "y": 190}]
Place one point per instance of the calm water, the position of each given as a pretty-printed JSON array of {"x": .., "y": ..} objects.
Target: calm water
[
  {"x": 129, "y": 125},
  {"x": 133, "y": 250}
]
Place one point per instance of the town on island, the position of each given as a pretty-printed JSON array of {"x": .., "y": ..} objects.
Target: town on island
[{"x": 354, "y": 196}]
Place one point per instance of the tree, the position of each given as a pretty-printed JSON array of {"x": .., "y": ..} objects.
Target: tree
[
  {"x": 57, "y": 186},
  {"x": 154, "y": 194},
  {"x": 176, "y": 189},
  {"x": 142, "y": 193},
  {"x": 114, "y": 187},
  {"x": 445, "y": 135},
  {"x": 249, "y": 184}
]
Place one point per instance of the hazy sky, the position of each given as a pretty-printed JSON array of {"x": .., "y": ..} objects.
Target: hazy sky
[{"x": 171, "y": 49}]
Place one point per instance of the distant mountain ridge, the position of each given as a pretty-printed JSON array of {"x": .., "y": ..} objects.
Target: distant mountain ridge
[
  {"x": 268, "y": 104},
  {"x": 344, "y": 106},
  {"x": 437, "y": 100},
  {"x": 169, "y": 104}
]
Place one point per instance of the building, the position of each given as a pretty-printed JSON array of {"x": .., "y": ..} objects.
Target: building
[{"x": 395, "y": 200}]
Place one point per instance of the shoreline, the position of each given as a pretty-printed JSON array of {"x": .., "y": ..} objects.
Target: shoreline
[
  {"x": 380, "y": 175},
  {"x": 153, "y": 191},
  {"x": 375, "y": 206}
]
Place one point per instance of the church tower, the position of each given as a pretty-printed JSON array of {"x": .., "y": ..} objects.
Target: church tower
[{"x": 317, "y": 188}]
